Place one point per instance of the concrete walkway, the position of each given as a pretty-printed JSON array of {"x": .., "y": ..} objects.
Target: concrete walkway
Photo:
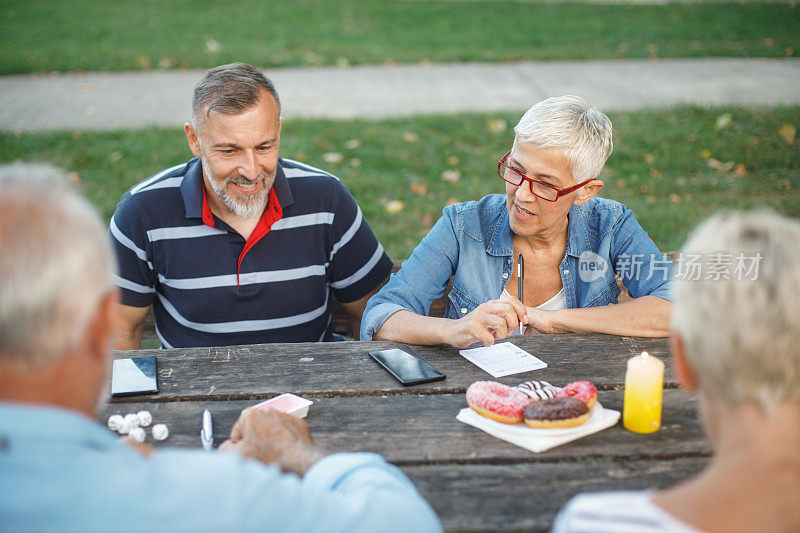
[{"x": 139, "y": 99}]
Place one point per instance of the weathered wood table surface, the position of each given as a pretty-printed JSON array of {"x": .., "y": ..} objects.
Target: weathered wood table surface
[{"x": 473, "y": 480}]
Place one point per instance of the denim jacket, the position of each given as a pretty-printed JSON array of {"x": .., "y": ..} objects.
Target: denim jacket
[{"x": 472, "y": 243}]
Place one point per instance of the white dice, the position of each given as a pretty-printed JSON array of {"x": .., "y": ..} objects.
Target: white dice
[
  {"x": 145, "y": 418},
  {"x": 160, "y": 431},
  {"x": 137, "y": 434}
]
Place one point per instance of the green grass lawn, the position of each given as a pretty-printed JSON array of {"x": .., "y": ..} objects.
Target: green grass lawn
[
  {"x": 47, "y": 35},
  {"x": 673, "y": 168}
]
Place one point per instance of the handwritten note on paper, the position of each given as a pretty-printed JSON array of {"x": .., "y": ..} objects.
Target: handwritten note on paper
[{"x": 503, "y": 359}]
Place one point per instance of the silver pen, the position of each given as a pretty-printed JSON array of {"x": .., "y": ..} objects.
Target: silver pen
[
  {"x": 207, "y": 433},
  {"x": 521, "y": 287}
]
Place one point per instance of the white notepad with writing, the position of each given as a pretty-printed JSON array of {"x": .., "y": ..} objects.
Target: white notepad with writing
[{"x": 503, "y": 359}]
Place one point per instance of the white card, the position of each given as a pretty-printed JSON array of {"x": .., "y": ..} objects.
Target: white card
[{"x": 503, "y": 359}]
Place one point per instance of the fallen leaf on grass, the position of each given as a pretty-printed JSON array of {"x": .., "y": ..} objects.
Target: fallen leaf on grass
[
  {"x": 142, "y": 61},
  {"x": 452, "y": 160},
  {"x": 418, "y": 188},
  {"x": 451, "y": 175},
  {"x": 788, "y": 132},
  {"x": 410, "y": 137},
  {"x": 723, "y": 121},
  {"x": 650, "y": 199},
  {"x": 740, "y": 170},
  {"x": 352, "y": 144},
  {"x": 705, "y": 153},
  {"x": 300, "y": 156},
  {"x": 74, "y": 178},
  {"x": 342, "y": 62},
  {"x": 212, "y": 45},
  {"x": 719, "y": 165},
  {"x": 115, "y": 156},
  {"x": 394, "y": 206},
  {"x": 166, "y": 62},
  {"x": 355, "y": 162},
  {"x": 332, "y": 157},
  {"x": 497, "y": 125},
  {"x": 649, "y": 158},
  {"x": 311, "y": 58},
  {"x": 674, "y": 198}
]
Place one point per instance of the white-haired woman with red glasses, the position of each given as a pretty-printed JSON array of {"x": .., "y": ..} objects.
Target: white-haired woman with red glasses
[{"x": 571, "y": 243}]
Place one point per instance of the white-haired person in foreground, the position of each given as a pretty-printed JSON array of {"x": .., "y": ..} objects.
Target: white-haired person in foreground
[
  {"x": 62, "y": 471},
  {"x": 572, "y": 244},
  {"x": 736, "y": 344}
]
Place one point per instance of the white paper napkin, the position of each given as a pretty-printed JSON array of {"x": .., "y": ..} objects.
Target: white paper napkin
[{"x": 540, "y": 440}]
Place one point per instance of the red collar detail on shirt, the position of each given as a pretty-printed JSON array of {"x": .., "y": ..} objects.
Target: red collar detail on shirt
[
  {"x": 208, "y": 216},
  {"x": 272, "y": 214}
]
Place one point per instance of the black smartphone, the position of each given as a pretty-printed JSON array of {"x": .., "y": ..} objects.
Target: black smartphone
[
  {"x": 406, "y": 366},
  {"x": 133, "y": 376}
]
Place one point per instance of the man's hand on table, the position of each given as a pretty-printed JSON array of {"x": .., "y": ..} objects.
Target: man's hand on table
[
  {"x": 145, "y": 450},
  {"x": 270, "y": 436}
]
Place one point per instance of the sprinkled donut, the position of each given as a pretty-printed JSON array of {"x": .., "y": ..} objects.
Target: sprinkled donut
[
  {"x": 582, "y": 390},
  {"x": 538, "y": 390},
  {"x": 497, "y": 401}
]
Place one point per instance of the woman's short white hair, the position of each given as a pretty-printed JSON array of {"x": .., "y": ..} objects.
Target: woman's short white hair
[
  {"x": 742, "y": 336},
  {"x": 56, "y": 264},
  {"x": 568, "y": 122}
]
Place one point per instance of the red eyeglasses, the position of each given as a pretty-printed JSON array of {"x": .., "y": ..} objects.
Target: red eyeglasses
[{"x": 543, "y": 190}]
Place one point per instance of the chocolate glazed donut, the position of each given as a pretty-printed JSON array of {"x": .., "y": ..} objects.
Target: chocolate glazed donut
[{"x": 556, "y": 413}]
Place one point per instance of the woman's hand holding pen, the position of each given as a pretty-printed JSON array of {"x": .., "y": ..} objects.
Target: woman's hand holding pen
[
  {"x": 541, "y": 321},
  {"x": 489, "y": 321}
]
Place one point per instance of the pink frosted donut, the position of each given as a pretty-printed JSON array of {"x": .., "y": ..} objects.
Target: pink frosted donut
[
  {"x": 497, "y": 401},
  {"x": 582, "y": 390}
]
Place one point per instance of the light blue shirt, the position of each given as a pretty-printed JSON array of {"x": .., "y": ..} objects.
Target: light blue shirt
[
  {"x": 472, "y": 243},
  {"x": 61, "y": 471}
]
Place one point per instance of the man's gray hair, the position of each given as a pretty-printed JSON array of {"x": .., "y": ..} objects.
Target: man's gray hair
[
  {"x": 230, "y": 90},
  {"x": 742, "y": 336},
  {"x": 56, "y": 264},
  {"x": 568, "y": 122}
]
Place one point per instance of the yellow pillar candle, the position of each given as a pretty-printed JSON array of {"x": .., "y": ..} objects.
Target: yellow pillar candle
[{"x": 644, "y": 381}]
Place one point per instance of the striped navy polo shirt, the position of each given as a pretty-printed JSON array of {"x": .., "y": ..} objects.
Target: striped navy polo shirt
[{"x": 208, "y": 287}]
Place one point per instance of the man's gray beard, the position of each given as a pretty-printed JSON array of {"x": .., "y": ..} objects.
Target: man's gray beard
[{"x": 255, "y": 203}]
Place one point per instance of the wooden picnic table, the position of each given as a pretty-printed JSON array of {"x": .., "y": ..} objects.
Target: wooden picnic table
[{"x": 474, "y": 481}]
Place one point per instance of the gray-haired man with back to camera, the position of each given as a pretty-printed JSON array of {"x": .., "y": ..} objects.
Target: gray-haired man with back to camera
[{"x": 60, "y": 470}]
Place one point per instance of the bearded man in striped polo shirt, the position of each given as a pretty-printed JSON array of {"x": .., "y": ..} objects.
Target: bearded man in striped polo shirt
[{"x": 239, "y": 245}]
